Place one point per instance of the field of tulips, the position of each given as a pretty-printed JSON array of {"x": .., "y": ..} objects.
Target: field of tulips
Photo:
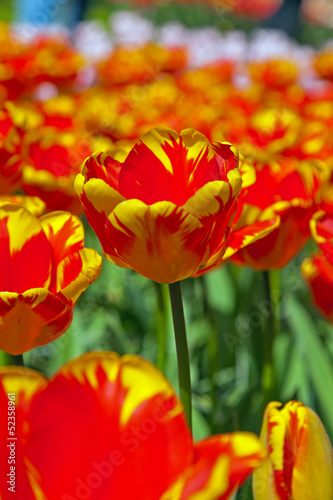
[{"x": 166, "y": 264}]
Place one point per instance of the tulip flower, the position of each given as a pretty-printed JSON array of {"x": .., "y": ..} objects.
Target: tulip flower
[
  {"x": 32, "y": 203},
  {"x": 44, "y": 269},
  {"x": 317, "y": 269},
  {"x": 166, "y": 210},
  {"x": 300, "y": 456},
  {"x": 107, "y": 427},
  {"x": 271, "y": 197},
  {"x": 10, "y": 154},
  {"x": 51, "y": 162}
]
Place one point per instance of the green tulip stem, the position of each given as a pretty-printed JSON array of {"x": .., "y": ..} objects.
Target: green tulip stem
[
  {"x": 11, "y": 359},
  {"x": 182, "y": 349},
  {"x": 161, "y": 325},
  {"x": 272, "y": 294}
]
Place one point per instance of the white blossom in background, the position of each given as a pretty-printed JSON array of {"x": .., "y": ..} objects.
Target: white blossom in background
[
  {"x": 92, "y": 40},
  {"x": 205, "y": 46},
  {"x": 130, "y": 29},
  {"x": 45, "y": 91},
  {"x": 173, "y": 35}
]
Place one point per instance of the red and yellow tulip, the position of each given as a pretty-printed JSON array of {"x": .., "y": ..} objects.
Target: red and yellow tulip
[
  {"x": 317, "y": 269},
  {"x": 289, "y": 192},
  {"x": 108, "y": 427},
  {"x": 300, "y": 456},
  {"x": 10, "y": 154},
  {"x": 167, "y": 209},
  {"x": 44, "y": 269},
  {"x": 52, "y": 158}
]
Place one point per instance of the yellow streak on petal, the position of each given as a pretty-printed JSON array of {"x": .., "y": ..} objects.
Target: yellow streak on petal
[
  {"x": 19, "y": 380},
  {"x": 34, "y": 480},
  {"x": 103, "y": 197},
  {"x": 235, "y": 180},
  {"x": 91, "y": 269},
  {"x": 32, "y": 203},
  {"x": 175, "y": 492},
  {"x": 21, "y": 225},
  {"x": 308, "y": 270},
  {"x": 84, "y": 367},
  {"x": 157, "y": 248},
  {"x": 245, "y": 444},
  {"x": 217, "y": 483},
  {"x": 263, "y": 483},
  {"x": 47, "y": 180},
  {"x": 313, "y": 226},
  {"x": 207, "y": 200},
  {"x": 313, "y": 469},
  {"x": 249, "y": 238},
  {"x": 143, "y": 381},
  {"x": 79, "y": 184},
  {"x": 197, "y": 144},
  {"x": 54, "y": 222},
  {"x": 155, "y": 139}
]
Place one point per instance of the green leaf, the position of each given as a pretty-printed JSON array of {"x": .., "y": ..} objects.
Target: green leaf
[{"x": 315, "y": 356}]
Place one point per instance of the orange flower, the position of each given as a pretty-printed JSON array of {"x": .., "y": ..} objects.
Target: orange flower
[
  {"x": 300, "y": 462},
  {"x": 108, "y": 427},
  {"x": 44, "y": 269},
  {"x": 323, "y": 64},
  {"x": 167, "y": 209}
]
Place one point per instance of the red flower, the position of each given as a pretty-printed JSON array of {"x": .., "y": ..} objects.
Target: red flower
[
  {"x": 44, "y": 269},
  {"x": 107, "y": 427},
  {"x": 287, "y": 192},
  {"x": 167, "y": 209}
]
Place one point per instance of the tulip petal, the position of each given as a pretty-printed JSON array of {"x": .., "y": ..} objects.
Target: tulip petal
[
  {"x": 165, "y": 166},
  {"x": 66, "y": 236},
  {"x": 22, "y": 384},
  {"x": 240, "y": 238},
  {"x": 28, "y": 244},
  {"x": 77, "y": 272},
  {"x": 318, "y": 273},
  {"x": 173, "y": 246},
  {"x": 39, "y": 314},
  {"x": 129, "y": 417},
  {"x": 222, "y": 464},
  {"x": 313, "y": 469}
]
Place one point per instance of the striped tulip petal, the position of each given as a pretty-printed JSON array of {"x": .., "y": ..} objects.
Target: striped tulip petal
[
  {"x": 123, "y": 435},
  {"x": 318, "y": 273},
  {"x": 32, "y": 203},
  {"x": 321, "y": 226},
  {"x": 174, "y": 243},
  {"x": 300, "y": 461},
  {"x": 18, "y": 385},
  {"x": 32, "y": 318},
  {"x": 222, "y": 464},
  {"x": 22, "y": 238}
]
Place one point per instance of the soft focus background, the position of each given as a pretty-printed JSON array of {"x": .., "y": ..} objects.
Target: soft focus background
[{"x": 120, "y": 311}]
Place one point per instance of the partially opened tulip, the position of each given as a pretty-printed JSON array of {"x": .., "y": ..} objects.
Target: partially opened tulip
[
  {"x": 167, "y": 209},
  {"x": 44, "y": 269},
  {"x": 300, "y": 461},
  {"x": 107, "y": 427},
  {"x": 317, "y": 269},
  {"x": 288, "y": 191}
]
